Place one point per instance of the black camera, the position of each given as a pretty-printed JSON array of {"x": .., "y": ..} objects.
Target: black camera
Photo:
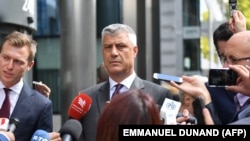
[
  {"x": 222, "y": 77},
  {"x": 232, "y": 6}
]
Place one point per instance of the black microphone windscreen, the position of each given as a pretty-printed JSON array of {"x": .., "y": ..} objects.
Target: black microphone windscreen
[
  {"x": 73, "y": 128},
  {"x": 13, "y": 124}
]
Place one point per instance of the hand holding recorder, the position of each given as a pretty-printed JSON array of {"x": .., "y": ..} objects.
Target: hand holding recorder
[
  {"x": 195, "y": 86},
  {"x": 243, "y": 81},
  {"x": 42, "y": 88}
]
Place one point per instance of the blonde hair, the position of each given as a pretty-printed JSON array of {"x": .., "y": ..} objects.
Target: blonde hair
[{"x": 19, "y": 40}]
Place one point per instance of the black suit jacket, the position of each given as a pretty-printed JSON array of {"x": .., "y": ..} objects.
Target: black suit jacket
[
  {"x": 223, "y": 102},
  {"x": 100, "y": 94},
  {"x": 34, "y": 112}
]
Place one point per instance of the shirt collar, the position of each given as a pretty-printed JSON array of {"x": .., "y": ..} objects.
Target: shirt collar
[
  {"x": 126, "y": 82},
  {"x": 15, "y": 88},
  {"x": 242, "y": 98}
]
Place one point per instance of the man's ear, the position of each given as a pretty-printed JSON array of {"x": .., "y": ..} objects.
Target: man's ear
[{"x": 30, "y": 65}]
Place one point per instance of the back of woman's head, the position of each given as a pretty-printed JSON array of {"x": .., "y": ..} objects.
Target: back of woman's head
[{"x": 131, "y": 107}]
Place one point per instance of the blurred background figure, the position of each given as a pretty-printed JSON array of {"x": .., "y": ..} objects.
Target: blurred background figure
[
  {"x": 174, "y": 91},
  {"x": 186, "y": 102},
  {"x": 102, "y": 74}
]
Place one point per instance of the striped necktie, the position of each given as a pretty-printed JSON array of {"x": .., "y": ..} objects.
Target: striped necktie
[{"x": 117, "y": 89}]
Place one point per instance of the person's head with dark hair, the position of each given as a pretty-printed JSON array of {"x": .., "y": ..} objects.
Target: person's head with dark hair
[
  {"x": 131, "y": 107},
  {"x": 220, "y": 36}
]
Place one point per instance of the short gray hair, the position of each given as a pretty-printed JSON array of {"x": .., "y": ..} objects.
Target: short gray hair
[{"x": 115, "y": 28}]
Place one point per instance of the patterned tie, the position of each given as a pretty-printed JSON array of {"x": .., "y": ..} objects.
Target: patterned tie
[
  {"x": 5, "y": 110},
  {"x": 117, "y": 89}
]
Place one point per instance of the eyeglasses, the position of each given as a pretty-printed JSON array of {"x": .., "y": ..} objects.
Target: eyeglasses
[{"x": 233, "y": 61}]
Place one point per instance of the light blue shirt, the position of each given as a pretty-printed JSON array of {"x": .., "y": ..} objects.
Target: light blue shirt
[
  {"x": 242, "y": 98},
  {"x": 126, "y": 84}
]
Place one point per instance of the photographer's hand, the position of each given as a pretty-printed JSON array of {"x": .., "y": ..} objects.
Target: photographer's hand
[
  {"x": 195, "y": 86},
  {"x": 237, "y": 22},
  {"x": 43, "y": 88},
  {"x": 243, "y": 80}
]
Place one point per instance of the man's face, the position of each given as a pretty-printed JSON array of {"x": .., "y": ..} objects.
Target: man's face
[
  {"x": 221, "y": 48},
  {"x": 235, "y": 53},
  {"x": 118, "y": 54},
  {"x": 13, "y": 64}
]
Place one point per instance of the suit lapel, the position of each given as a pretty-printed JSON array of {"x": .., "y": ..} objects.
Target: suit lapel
[
  {"x": 23, "y": 103},
  {"x": 103, "y": 95},
  {"x": 137, "y": 84}
]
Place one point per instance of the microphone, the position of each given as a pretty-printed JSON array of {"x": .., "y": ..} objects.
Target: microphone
[
  {"x": 169, "y": 111},
  {"x": 4, "y": 123},
  {"x": 13, "y": 124},
  {"x": 40, "y": 135},
  {"x": 79, "y": 106},
  {"x": 71, "y": 130}
]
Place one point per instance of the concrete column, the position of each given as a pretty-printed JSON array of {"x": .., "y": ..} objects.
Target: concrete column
[{"x": 78, "y": 49}]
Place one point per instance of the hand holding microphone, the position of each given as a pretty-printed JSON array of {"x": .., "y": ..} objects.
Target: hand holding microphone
[
  {"x": 6, "y": 136},
  {"x": 169, "y": 111},
  {"x": 4, "y": 124},
  {"x": 79, "y": 106},
  {"x": 41, "y": 135},
  {"x": 72, "y": 128},
  {"x": 13, "y": 124},
  {"x": 55, "y": 136},
  {"x": 7, "y": 129},
  {"x": 9, "y": 125}
]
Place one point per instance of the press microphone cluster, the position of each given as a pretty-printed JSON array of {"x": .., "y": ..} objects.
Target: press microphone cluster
[
  {"x": 9, "y": 125},
  {"x": 70, "y": 131},
  {"x": 72, "y": 128},
  {"x": 79, "y": 106}
]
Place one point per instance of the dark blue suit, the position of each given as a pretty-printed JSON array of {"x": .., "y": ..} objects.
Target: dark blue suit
[
  {"x": 34, "y": 111},
  {"x": 223, "y": 102}
]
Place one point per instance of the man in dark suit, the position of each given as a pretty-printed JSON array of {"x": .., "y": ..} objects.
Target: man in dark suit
[
  {"x": 237, "y": 57},
  {"x": 33, "y": 110},
  {"x": 119, "y": 50},
  {"x": 223, "y": 100}
]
